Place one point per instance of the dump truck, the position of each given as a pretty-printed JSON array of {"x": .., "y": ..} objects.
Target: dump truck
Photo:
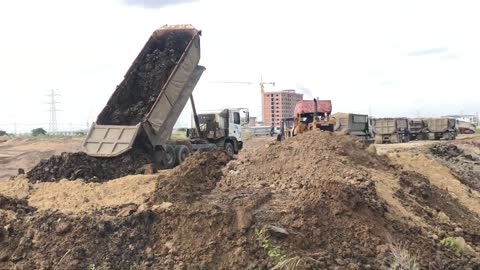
[
  {"x": 352, "y": 124},
  {"x": 308, "y": 115},
  {"x": 465, "y": 127},
  {"x": 146, "y": 105},
  {"x": 441, "y": 128},
  {"x": 390, "y": 130},
  {"x": 418, "y": 129}
]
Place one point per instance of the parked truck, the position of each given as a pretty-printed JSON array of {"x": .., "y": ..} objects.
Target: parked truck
[
  {"x": 465, "y": 127},
  {"x": 390, "y": 130},
  {"x": 146, "y": 105},
  {"x": 352, "y": 124},
  {"x": 441, "y": 128},
  {"x": 418, "y": 129}
]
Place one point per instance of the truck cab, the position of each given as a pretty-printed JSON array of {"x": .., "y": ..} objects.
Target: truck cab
[{"x": 219, "y": 129}]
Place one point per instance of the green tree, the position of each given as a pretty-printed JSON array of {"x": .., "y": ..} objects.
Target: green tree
[
  {"x": 3, "y": 133},
  {"x": 38, "y": 131}
]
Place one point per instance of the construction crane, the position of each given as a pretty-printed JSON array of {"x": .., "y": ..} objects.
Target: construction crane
[{"x": 262, "y": 87}]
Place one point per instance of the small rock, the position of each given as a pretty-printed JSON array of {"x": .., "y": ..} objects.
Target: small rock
[
  {"x": 163, "y": 205},
  {"x": 443, "y": 217},
  {"x": 63, "y": 227},
  {"x": 458, "y": 230},
  {"x": 277, "y": 230},
  {"x": 169, "y": 244},
  {"x": 127, "y": 210},
  {"x": 340, "y": 261},
  {"x": 244, "y": 219}
]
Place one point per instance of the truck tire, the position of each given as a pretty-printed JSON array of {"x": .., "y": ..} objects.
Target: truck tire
[
  {"x": 169, "y": 158},
  {"x": 229, "y": 149},
  {"x": 182, "y": 153}
]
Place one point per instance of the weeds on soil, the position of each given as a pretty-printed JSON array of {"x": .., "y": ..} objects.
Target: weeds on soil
[
  {"x": 450, "y": 243},
  {"x": 402, "y": 259},
  {"x": 272, "y": 251}
]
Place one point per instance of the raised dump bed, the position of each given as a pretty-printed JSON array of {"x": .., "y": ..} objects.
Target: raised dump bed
[
  {"x": 152, "y": 95},
  {"x": 390, "y": 130}
]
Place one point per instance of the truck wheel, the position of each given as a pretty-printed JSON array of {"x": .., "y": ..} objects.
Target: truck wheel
[
  {"x": 169, "y": 158},
  {"x": 229, "y": 149},
  {"x": 182, "y": 153}
]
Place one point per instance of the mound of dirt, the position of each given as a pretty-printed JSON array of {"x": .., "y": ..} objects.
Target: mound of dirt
[
  {"x": 324, "y": 196},
  {"x": 198, "y": 174},
  {"x": 310, "y": 201},
  {"x": 79, "y": 165},
  {"x": 134, "y": 97}
]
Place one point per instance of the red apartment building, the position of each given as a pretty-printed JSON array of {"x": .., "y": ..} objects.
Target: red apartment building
[{"x": 278, "y": 105}]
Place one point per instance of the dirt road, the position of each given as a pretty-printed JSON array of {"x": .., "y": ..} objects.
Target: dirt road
[{"x": 26, "y": 153}]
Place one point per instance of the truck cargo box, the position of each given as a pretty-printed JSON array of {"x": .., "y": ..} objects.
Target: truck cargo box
[
  {"x": 353, "y": 124},
  {"x": 440, "y": 124}
]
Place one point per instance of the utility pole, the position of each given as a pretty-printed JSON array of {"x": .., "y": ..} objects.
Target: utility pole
[{"x": 52, "y": 124}]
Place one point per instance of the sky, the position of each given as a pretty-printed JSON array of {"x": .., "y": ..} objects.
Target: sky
[{"x": 384, "y": 58}]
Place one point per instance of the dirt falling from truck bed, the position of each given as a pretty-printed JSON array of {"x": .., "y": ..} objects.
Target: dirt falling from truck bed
[
  {"x": 79, "y": 165},
  {"x": 135, "y": 96}
]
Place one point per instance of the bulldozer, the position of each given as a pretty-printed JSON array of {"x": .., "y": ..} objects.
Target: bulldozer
[{"x": 308, "y": 115}]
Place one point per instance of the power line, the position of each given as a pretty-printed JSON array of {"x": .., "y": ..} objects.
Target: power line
[{"x": 52, "y": 125}]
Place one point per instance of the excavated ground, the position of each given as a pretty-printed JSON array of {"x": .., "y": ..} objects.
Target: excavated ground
[
  {"x": 134, "y": 97},
  {"x": 316, "y": 201}
]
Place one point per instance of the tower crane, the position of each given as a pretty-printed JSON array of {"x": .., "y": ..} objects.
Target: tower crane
[{"x": 262, "y": 87}]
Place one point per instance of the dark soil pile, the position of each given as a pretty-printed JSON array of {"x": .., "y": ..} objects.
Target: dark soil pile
[
  {"x": 197, "y": 175},
  {"x": 134, "y": 97},
  {"x": 80, "y": 165},
  {"x": 15, "y": 205},
  {"x": 323, "y": 195},
  {"x": 465, "y": 166}
]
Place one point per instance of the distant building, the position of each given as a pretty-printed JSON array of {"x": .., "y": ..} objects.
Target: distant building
[
  {"x": 465, "y": 118},
  {"x": 278, "y": 105}
]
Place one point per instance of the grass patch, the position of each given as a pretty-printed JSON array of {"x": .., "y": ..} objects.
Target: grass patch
[
  {"x": 272, "y": 251},
  {"x": 402, "y": 259}
]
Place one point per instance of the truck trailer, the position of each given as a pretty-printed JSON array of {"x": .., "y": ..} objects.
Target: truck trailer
[
  {"x": 441, "y": 128},
  {"x": 352, "y": 124},
  {"x": 390, "y": 130},
  {"x": 418, "y": 129}
]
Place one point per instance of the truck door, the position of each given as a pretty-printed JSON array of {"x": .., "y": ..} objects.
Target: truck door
[{"x": 234, "y": 126}]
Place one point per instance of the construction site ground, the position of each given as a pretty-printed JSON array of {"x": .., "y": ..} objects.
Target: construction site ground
[{"x": 315, "y": 201}]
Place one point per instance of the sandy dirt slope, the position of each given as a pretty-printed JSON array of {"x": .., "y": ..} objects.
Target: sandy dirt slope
[
  {"x": 317, "y": 201},
  {"x": 26, "y": 153}
]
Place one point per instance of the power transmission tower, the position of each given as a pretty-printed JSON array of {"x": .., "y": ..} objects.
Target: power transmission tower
[{"x": 52, "y": 124}]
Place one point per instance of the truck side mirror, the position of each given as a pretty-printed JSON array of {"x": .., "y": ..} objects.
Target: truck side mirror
[{"x": 246, "y": 118}]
